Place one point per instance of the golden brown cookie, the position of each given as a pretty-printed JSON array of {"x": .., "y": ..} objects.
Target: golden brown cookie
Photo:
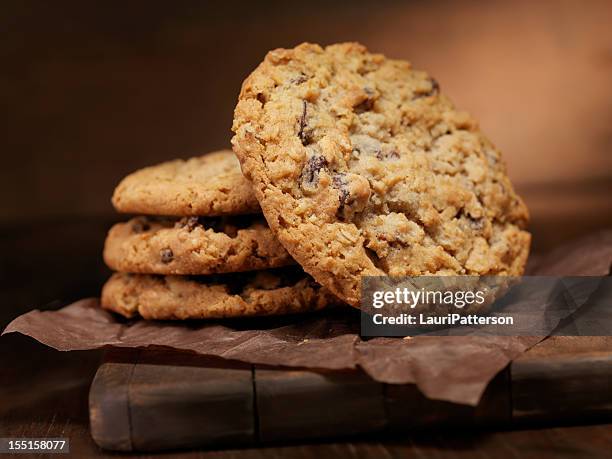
[
  {"x": 208, "y": 185},
  {"x": 362, "y": 167},
  {"x": 193, "y": 245},
  {"x": 260, "y": 293}
]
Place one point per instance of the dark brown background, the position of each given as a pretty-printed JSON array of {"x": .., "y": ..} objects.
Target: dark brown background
[{"x": 94, "y": 90}]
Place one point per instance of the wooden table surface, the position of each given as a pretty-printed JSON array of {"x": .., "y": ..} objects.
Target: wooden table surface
[{"x": 45, "y": 395}]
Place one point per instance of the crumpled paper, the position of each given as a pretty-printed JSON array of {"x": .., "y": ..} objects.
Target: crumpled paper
[{"x": 451, "y": 368}]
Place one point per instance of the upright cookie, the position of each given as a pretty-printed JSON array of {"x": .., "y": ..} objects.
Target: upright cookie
[
  {"x": 260, "y": 293},
  {"x": 193, "y": 245},
  {"x": 208, "y": 185},
  {"x": 363, "y": 168}
]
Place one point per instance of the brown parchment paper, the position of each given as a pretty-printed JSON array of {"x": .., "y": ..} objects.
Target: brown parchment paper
[{"x": 451, "y": 368}]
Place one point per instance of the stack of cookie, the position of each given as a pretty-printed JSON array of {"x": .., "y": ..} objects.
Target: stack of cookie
[
  {"x": 199, "y": 248},
  {"x": 361, "y": 168}
]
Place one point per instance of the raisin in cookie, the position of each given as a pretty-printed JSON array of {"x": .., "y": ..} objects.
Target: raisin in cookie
[
  {"x": 193, "y": 245},
  {"x": 208, "y": 185},
  {"x": 362, "y": 167},
  {"x": 260, "y": 293}
]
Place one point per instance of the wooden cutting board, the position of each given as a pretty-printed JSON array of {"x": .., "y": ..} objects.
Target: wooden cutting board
[{"x": 143, "y": 400}]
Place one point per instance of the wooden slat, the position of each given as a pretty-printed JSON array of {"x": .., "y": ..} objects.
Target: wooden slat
[
  {"x": 564, "y": 379},
  {"x": 153, "y": 400},
  {"x": 109, "y": 405},
  {"x": 304, "y": 404},
  {"x": 190, "y": 405},
  {"x": 408, "y": 408}
]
